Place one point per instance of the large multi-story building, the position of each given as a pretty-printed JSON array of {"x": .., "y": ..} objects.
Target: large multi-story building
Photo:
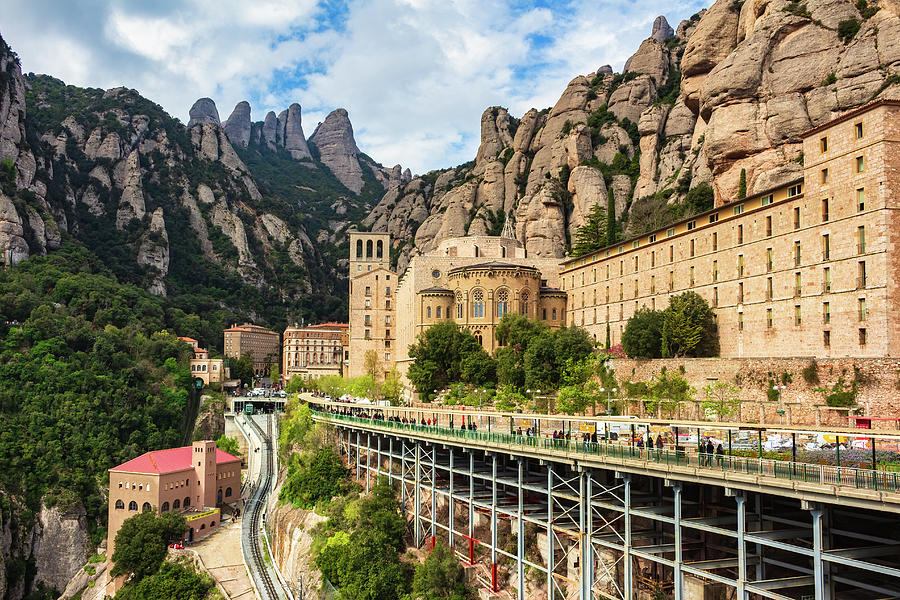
[
  {"x": 262, "y": 344},
  {"x": 809, "y": 268},
  {"x": 472, "y": 281},
  {"x": 193, "y": 480},
  {"x": 314, "y": 351}
]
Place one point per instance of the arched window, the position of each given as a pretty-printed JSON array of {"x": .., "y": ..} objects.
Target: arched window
[
  {"x": 459, "y": 305},
  {"x": 202, "y": 527},
  {"x": 176, "y": 505},
  {"x": 523, "y": 300},
  {"x": 438, "y": 312},
  {"x": 427, "y": 312},
  {"x": 120, "y": 505},
  {"x": 146, "y": 507},
  {"x": 359, "y": 251},
  {"x": 368, "y": 248},
  {"x": 478, "y": 337},
  {"x": 132, "y": 505},
  {"x": 478, "y": 304},
  {"x": 502, "y": 302},
  {"x": 379, "y": 249},
  {"x": 219, "y": 496},
  {"x": 228, "y": 492},
  {"x": 165, "y": 507},
  {"x": 186, "y": 503},
  {"x": 212, "y": 524}
]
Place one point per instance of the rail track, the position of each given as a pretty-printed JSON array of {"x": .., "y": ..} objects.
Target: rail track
[{"x": 253, "y": 513}]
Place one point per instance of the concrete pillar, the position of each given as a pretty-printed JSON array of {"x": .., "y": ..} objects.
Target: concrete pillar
[
  {"x": 588, "y": 538},
  {"x": 742, "y": 547},
  {"x": 417, "y": 487},
  {"x": 818, "y": 567},
  {"x": 629, "y": 575},
  {"x": 452, "y": 503}
]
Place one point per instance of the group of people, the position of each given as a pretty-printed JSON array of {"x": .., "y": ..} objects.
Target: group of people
[{"x": 708, "y": 451}]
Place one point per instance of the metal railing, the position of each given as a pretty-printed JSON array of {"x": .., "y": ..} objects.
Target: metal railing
[{"x": 778, "y": 469}]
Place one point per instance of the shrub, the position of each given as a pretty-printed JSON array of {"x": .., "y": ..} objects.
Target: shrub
[
  {"x": 811, "y": 373},
  {"x": 847, "y": 29}
]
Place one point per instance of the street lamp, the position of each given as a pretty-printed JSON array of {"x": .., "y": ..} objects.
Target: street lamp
[
  {"x": 780, "y": 411},
  {"x": 613, "y": 390}
]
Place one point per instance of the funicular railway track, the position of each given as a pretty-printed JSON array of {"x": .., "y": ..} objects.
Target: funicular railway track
[{"x": 255, "y": 508}]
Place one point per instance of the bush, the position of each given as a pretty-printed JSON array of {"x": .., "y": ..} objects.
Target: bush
[
  {"x": 847, "y": 29},
  {"x": 811, "y": 373},
  {"x": 642, "y": 337}
]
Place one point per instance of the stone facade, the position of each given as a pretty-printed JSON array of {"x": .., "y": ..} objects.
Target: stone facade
[
  {"x": 314, "y": 351},
  {"x": 262, "y": 344},
  {"x": 166, "y": 480},
  {"x": 372, "y": 305},
  {"x": 473, "y": 281},
  {"x": 807, "y": 269},
  {"x": 209, "y": 370},
  {"x": 877, "y": 381}
]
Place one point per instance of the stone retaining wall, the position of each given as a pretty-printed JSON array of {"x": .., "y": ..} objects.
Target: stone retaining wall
[{"x": 877, "y": 381}]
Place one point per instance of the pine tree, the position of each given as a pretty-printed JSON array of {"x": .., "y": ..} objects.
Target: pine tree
[
  {"x": 592, "y": 235},
  {"x": 742, "y": 185}
]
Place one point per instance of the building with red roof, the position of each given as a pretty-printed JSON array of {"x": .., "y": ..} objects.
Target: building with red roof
[{"x": 193, "y": 480}]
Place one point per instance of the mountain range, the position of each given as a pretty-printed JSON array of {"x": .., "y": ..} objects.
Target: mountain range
[{"x": 241, "y": 214}]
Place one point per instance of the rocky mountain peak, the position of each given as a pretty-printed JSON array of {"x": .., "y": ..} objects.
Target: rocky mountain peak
[
  {"x": 661, "y": 30},
  {"x": 337, "y": 148},
  {"x": 203, "y": 111},
  {"x": 238, "y": 125},
  {"x": 293, "y": 138}
]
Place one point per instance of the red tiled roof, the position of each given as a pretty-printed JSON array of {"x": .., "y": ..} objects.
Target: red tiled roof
[
  {"x": 330, "y": 324},
  {"x": 168, "y": 461},
  {"x": 186, "y": 339}
]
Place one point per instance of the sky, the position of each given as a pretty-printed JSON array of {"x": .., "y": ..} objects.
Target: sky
[{"x": 415, "y": 75}]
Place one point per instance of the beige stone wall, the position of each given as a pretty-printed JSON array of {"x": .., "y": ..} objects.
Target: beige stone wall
[
  {"x": 724, "y": 256},
  {"x": 372, "y": 317},
  {"x": 210, "y": 370},
  {"x": 312, "y": 351},
  {"x": 878, "y": 385}
]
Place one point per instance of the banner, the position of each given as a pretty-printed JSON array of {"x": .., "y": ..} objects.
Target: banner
[{"x": 203, "y": 514}]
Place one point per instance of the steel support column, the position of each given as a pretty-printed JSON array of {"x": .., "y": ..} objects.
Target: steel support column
[
  {"x": 357, "y": 456},
  {"x": 629, "y": 568},
  {"x": 450, "y": 511},
  {"x": 679, "y": 583},
  {"x": 818, "y": 567},
  {"x": 493, "y": 514},
  {"x": 433, "y": 495},
  {"x": 391, "y": 459},
  {"x": 378, "y": 462},
  {"x": 551, "y": 560},
  {"x": 588, "y": 537},
  {"x": 417, "y": 494},
  {"x": 368, "y": 459},
  {"x": 520, "y": 538},
  {"x": 742, "y": 547}
]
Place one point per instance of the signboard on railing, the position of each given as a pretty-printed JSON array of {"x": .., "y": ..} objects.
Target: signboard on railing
[
  {"x": 587, "y": 427},
  {"x": 208, "y": 513}
]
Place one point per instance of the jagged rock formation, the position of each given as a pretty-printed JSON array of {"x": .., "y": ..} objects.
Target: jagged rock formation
[
  {"x": 203, "y": 111},
  {"x": 729, "y": 90},
  {"x": 293, "y": 139},
  {"x": 337, "y": 148},
  {"x": 237, "y": 126}
]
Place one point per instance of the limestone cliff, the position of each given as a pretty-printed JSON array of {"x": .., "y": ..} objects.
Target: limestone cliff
[{"x": 729, "y": 90}]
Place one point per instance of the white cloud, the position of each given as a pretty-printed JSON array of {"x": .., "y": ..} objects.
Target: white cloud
[{"x": 415, "y": 75}]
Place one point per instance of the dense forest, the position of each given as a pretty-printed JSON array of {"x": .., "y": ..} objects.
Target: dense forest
[{"x": 91, "y": 375}]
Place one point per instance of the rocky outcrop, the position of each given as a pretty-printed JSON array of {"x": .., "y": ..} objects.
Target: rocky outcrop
[
  {"x": 154, "y": 252},
  {"x": 269, "y": 130},
  {"x": 237, "y": 126},
  {"x": 131, "y": 205},
  {"x": 661, "y": 30},
  {"x": 61, "y": 545},
  {"x": 291, "y": 539},
  {"x": 293, "y": 139},
  {"x": 232, "y": 226},
  {"x": 202, "y": 112},
  {"x": 337, "y": 149}
]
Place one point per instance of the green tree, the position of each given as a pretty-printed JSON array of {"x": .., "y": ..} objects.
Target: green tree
[
  {"x": 689, "y": 327},
  {"x": 439, "y": 357},
  {"x": 508, "y": 398},
  {"x": 699, "y": 199},
  {"x": 172, "y": 580},
  {"x": 440, "y": 577},
  {"x": 312, "y": 478},
  {"x": 392, "y": 388},
  {"x": 721, "y": 399},
  {"x": 334, "y": 386},
  {"x": 742, "y": 185},
  {"x": 592, "y": 235},
  {"x": 242, "y": 368},
  {"x": 229, "y": 445},
  {"x": 142, "y": 542},
  {"x": 371, "y": 364},
  {"x": 642, "y": 337},
  {"x": 514, "y": 334}
]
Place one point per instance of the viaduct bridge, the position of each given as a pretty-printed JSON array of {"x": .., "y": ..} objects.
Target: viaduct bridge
[{"x": 614, "y": 520}]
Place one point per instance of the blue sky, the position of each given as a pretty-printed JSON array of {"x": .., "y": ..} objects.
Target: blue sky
[{"x": 415, "y": 75}]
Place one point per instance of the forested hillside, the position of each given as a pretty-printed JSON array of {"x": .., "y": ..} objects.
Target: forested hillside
[{"x": 91, "y": 375}]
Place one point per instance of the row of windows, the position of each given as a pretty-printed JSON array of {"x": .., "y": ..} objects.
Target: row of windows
[
  {"x": 858, "y": 132},
  {"x": 635, "y": 261},
  {"x": 202, "y": 368},
  {"x": 387, "y": 290},
  {"x": 134, "y": 486},
  {"x": 861, "y": 282}
]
